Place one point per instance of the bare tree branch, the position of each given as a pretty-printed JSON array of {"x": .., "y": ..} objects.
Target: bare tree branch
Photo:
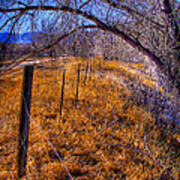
[
  {"x": 86, "y": 3},
  {"x": 133, "y": 12},
  {"x": 22, "y": 59},
  {"x": 148, "y": 36},
  {"x": 7, "y": 21},
  {"x": 99, "y": 23}
]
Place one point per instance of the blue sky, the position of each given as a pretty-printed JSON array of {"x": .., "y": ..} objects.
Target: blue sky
[{"x": 27, "y": 26}]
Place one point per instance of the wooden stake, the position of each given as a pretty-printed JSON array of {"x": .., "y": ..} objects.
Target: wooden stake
[
  {"x": 86, "y": 72},
  {"x": 24, "y": 120},
  {"x": 62, "y": 93},
  {"x": 77, "y": 85}
]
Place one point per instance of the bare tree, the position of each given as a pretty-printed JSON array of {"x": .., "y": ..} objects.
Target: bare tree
[
  {"x": 111, "y": 47},
  {"x": 150, "y": 26}
]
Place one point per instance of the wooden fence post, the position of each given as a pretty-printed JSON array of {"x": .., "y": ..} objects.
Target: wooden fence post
[
  {"x": 91, "y": 68},
  {"x": 77, "y": 85},
  {"x": 24, "y": 119},
  {"x": 86, "y": 72},
  {"x": 62, "y": 93}
]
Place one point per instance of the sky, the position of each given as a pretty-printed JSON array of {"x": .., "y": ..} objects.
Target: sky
[{"x": 27, "y": 26}]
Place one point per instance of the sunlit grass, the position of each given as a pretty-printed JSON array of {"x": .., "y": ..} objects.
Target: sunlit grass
[{"x": 103, "y": 136}]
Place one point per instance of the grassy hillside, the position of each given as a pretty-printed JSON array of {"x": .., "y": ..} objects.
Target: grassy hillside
[{"x": 110, "y": 133}]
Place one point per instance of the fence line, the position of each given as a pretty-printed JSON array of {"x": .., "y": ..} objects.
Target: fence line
[
  {"x": 25, "y": 117},
  {"x": 26, "y": 109}
]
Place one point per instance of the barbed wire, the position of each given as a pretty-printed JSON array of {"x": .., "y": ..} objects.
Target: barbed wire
[
  {"x": 51, "y": 145},
  {"x": 31, "y": 157}
]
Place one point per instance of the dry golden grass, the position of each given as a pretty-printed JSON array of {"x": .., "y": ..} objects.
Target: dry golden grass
[{"x": 102, "y": 137}]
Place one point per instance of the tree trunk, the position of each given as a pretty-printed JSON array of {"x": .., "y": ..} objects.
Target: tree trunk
[{"x": 173, "y": 33}]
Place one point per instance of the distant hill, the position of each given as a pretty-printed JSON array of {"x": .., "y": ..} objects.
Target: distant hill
[
  {"x": 25, "y": 38},
  {"x": 74, "y": 45}
]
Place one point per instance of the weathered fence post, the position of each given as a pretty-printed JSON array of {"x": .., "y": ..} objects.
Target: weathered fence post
[
  {"x": 91, "y": 68},
  {"x": 62, "y": 93},
  {"x": 77, "y": 85},
  {"x": 24, "y": 119},
  {"x": 86, "y": 72}
]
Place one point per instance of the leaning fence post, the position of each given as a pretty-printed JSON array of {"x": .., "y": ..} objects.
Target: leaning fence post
[
  {"x": 78, "y": 80},
  {"x": 86, "y": 72},
  {"x": 62, "y": 93},
  {"x": 24, "y": 119}
]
